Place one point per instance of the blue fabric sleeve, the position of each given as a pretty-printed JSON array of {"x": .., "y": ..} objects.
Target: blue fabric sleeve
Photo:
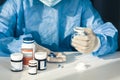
[
  {"x": 108, "y": 36},
  {"x": 9, "y": 42},
  {"x": 106, "y": 32}
]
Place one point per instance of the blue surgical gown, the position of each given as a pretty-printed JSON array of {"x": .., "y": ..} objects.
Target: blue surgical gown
[{"x": 52, "y": 27}]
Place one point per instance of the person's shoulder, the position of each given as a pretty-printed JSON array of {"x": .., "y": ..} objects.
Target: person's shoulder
[
  {"x": 17, "y": 1},
  {"x": 85, "y": 1}
]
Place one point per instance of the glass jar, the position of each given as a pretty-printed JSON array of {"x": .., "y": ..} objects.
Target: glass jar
[
  {"x": 32, "y": 67},
  {"x": 28, "y": 49},
  {"x": 41, "y": 57},
  {"x": 16, "y": 62}
]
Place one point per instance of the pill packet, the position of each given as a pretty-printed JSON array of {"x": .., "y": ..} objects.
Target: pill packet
[{"x": 56, "y": 57}]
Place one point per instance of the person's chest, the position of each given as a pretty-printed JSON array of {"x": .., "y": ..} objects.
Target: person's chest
[
  {"x": 64, "y": 15},
  {"x": 57, "y": 21}
]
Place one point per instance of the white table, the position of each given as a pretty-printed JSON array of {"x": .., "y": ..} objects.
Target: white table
[{"x": 53, "y": 72}]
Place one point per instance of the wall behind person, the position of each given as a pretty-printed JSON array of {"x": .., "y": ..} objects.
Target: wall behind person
[
  {"x": 2, "y": 1},
  {"x": 110, "y": 11}
]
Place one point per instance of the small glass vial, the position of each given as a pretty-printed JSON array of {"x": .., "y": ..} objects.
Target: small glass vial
[
  {"x": 16, "y": 62},
  {"x": 28, "y": 49},
  {"x": 41, "y": 57},
  {"x": 32, "y": 70},
  {"x": 78, "y": 31}
]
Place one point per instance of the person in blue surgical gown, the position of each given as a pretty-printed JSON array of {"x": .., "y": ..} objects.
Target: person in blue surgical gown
[{"x": 51, "y": 23}]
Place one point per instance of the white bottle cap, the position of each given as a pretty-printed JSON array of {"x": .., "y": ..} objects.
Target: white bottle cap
[
  {"x": 16, "y": 56},
  {"x": 41, "y": 55},
  {"x": 32, "y": 61}
]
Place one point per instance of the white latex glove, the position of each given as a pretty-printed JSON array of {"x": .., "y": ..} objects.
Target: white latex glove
[
  {"x": 40, "y": 48},
  {"x": 85, "y": 43}
]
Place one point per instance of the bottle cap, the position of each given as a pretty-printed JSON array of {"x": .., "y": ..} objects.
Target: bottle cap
[
  {"x": 28, "y": 39},
  {"x": 16, "y": 56},
  {"x": 41, "y": 55},
  {"x": 32, "y": 61},
  {"x": 79, "y": 31}
]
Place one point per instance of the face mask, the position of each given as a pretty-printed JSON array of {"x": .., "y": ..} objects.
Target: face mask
[{"x": 50, "y": 2}]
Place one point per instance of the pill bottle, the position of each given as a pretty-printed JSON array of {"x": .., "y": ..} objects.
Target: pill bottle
[
  {"x": 16, "y": 62},
  {"x": 41, "y": 57},
  {"x": 28, "y": 49},
  {"x": 32, "y": 70}
]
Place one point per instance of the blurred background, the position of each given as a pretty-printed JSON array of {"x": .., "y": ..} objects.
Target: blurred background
[{"x": 108, "y": 9}]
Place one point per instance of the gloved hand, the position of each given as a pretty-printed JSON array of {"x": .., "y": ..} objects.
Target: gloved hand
[
  {"x": 85, "y": 43},
  {"x": 52, "y": 56}
]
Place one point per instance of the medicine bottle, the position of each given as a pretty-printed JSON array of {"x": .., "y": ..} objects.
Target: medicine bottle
[
  {"x": 16, "y": 62},
  {"x": 28, "y": 49},
  {"x": 41, "y": 58},
  {"x": 32, "y": 67}
]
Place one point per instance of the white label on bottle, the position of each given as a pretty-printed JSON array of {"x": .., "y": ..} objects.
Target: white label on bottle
[
  {"x": 27, "y": 52},
  {"x": 16, "y": 65},
  {"x": 32, "y": 70},
  {"x": 42, "y": 65}
]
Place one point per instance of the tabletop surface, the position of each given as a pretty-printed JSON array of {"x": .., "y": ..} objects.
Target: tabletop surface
[{"x": 54, "y": 71}]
